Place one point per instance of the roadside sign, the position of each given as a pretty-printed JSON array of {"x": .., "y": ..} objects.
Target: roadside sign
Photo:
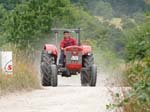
[{"x": 6, "y": 62}]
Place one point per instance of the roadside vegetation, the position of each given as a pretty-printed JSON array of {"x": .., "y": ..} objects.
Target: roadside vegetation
[
  {"x": 137, "y": 70},
  {"x": 25, "y": 76}
]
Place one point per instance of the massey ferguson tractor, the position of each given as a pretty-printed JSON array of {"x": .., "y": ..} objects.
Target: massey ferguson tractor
[{"x": 78, "y": 60}]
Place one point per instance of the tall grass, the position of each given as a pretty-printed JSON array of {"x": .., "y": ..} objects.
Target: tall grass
[{"x": 24, "y": 77}]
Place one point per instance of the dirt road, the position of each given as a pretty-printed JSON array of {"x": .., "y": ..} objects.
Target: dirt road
[{"x": 69, "y": 96}]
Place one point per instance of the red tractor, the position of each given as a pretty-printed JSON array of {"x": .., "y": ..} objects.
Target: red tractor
[{"x": 78, "y": 59}]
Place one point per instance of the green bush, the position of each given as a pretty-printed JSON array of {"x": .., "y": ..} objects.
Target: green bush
[
  {"x": 138, "y": 77},
  {"x": 137, "y": 69},
  {"x": 137, "y": 43}
]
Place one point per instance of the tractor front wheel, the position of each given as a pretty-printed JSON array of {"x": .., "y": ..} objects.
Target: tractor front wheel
[{"x": 93, "y": 76}]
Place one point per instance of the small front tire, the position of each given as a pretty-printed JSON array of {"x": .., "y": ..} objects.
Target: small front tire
[
  {"x": 54, "y": 77},
  {"x": 93, "y": 76}
]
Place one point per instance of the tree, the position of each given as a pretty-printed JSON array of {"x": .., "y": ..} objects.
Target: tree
[
  {"x": 103, "y": 9},
  {"x": 31, "y": 18},
  {"x": 147, "y": 2},
  {"x": 3, "y": 14},
  {"x": 10, "y": 4}
]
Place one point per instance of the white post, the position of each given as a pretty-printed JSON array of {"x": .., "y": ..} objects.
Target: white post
[{"x": 6, "y": 62}]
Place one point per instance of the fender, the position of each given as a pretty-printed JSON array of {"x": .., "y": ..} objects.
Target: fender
[
  {"x": 51, "y": 48},
  {"x": 86, "y": 49}
]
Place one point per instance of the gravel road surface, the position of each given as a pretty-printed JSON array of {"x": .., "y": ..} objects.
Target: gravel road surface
[{"x": 69, "y": 96}]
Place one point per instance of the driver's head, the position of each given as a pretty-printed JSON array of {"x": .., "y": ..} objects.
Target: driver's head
[{"x": 66, "y": 34}]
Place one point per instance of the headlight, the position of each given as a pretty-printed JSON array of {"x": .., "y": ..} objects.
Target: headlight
[
  {"x": 49, "y": 52},
  {"x": 89, "y": 54}
]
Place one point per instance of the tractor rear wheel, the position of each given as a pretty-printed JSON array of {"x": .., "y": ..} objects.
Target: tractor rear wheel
[
  {"x": 46, "y": 61},
  {"x": 88, "y": 61}
]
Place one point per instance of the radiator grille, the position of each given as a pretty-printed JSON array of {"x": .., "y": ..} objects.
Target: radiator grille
[{"x": 69, "y": 56}]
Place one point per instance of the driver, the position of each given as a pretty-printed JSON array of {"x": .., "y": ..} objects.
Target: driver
[{"x": 67, "y": 41}]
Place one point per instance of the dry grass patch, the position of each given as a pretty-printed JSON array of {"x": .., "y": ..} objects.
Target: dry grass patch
[{"x": 25, "y": 76}]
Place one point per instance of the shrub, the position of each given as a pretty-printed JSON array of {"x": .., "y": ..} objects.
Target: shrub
[
  {"x": 138, "y": 98},
  {"x": 137, "y": 43},
  {"x": 138, "y": 77},
  {"x": 137, "y": 71}
]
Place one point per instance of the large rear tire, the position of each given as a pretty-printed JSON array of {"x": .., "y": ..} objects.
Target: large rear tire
[
  {"x": 46, "y": 61},
  {"x": 54, "y": 79},
  {"x": 88, "y": 61}
]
